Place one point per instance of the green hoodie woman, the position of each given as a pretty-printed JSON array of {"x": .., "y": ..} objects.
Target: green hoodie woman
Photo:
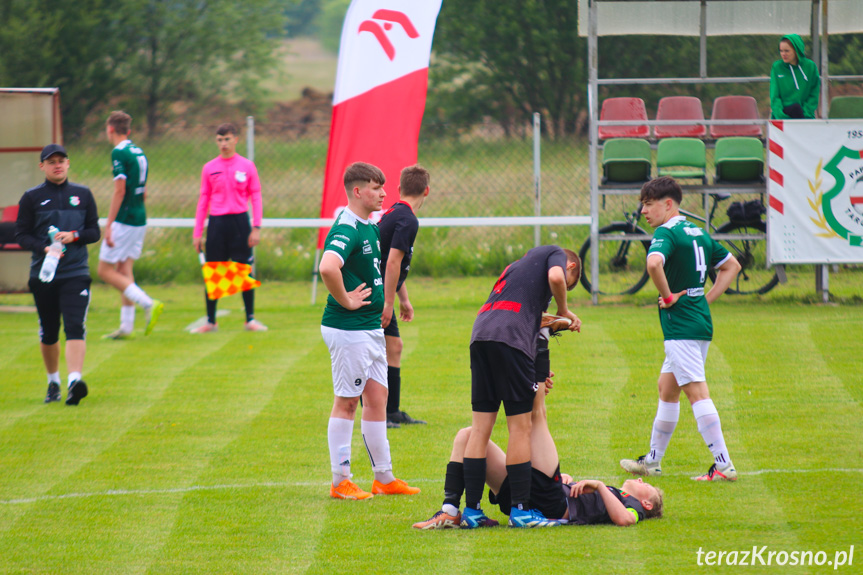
[{"x": 794, "y": 82}]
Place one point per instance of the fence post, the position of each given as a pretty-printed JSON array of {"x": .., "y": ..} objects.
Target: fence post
[
  {"x": 537, "y": 177},
  {"x": 250, "y": 137}
]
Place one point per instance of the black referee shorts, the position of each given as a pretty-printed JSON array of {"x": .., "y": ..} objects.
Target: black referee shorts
[
  {"x": 392, "y": 329},
  {"x": 68, "y": 298},
  {"x": 501, "y": 374},
  {"x": 228, "y": 239}
]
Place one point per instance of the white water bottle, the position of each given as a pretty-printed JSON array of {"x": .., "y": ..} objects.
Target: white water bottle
[{"x": 52, "y": 258}]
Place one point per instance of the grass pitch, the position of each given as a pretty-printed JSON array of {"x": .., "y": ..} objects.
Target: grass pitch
[{"x": 208, "y": 454}]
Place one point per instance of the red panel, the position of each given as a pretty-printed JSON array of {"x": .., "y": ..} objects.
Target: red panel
[
  {"x": 776, "y": 149},
  {"x": 777, "y": 205},
  {"x": 777, "y": 177},
  {"x": 381, "y": 127}
]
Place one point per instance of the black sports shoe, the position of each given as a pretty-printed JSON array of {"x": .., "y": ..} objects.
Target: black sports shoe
[
  {"x": 53, "y": 392},
  {"x": 402, "y": 417},
  {"x": 392, "y": 424},
  {"x": 77, "y": 392}
]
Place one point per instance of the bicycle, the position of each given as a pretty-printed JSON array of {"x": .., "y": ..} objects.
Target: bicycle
[{"x": 623, "y": 265}]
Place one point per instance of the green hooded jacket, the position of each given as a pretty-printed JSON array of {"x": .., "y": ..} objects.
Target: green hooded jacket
[{"x": 798, "y": 84}]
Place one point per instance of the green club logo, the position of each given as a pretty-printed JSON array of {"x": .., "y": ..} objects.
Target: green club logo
[{"x": 840, "y": 210}]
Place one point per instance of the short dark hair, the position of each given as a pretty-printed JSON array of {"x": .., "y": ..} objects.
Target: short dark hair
[
  {"x": 571, "y": 257},
  {"x": 226, "y": 128},
  {"x": 414, "y": 180},
  {"x": 658, "y": 501},
  {"x": 363, "y": 173},
  {"x": 120, "y": 121},
  {"x": 661, "y": 188}
]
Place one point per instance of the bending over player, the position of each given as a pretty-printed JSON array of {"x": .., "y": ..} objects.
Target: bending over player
[{"x": 552, "y": 493}]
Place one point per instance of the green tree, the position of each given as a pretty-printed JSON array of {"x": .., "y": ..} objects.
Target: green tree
[
  {"x": 330, "y": 21},
  {"x": 524, "y": 54},
  {"x": 70, "y": 45},
  {"x": 301, "y": 17},
  {"x": 199, "y": 49},
  {"x": 149, "y": 53}
]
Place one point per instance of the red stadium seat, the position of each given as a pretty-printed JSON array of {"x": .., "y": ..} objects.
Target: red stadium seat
[
  {"x": 623, "y": 109},
  {"x": 680, "y": 108},
  {"x": 735, "y": 108},
  {"x": 7, "y": 228}
]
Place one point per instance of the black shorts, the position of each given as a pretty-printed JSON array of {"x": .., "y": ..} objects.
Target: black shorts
[
  {"x": 546, "y": 495},
  {"x": 68, "y": 298},
  {"x": 228, "y": 239},
  {"x": 392, "y": 329},
  {"x": 500, "y": 373}
]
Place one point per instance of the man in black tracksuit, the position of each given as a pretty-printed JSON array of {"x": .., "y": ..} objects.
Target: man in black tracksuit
[{"x": 72, "y": 210}]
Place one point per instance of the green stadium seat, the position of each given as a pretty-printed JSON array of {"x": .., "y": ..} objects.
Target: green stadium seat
[
  {"x": 739, "y": 160},
  {"x": 625, "y": 161},
  {"x": 846, "y": 107},
  {"x": 683, "y": 158}
]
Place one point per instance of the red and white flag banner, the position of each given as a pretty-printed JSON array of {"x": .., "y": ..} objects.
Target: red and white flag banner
[
  {"x": 380, "y": 93},
  {"x": 815, "y": 213}
]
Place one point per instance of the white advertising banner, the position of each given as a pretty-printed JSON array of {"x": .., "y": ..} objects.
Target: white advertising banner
[{"x": 816, "y": 192}]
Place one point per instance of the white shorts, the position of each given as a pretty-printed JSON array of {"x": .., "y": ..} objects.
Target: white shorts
[
  {"x": 357, "y": 356},
  {"x": 128, "y": 242},
  {"x": 685, "y": 358}
]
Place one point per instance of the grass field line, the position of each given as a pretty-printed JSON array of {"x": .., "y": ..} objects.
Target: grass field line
[{"x": 322, "y": 485}]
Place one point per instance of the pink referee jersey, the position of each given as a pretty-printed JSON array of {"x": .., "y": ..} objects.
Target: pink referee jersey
[{"x": 227, "y": 186}]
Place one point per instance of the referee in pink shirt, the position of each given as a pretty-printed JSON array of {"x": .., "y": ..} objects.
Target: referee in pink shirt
[{"x": 228, "y": 183}]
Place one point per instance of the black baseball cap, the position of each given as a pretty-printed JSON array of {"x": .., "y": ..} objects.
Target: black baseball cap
[{"x": 52, "y": 149}]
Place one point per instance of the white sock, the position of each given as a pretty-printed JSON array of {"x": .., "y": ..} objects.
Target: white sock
[
  {"x": 667, "y": 415},
  {"x": 54, "y": 377},
  {"x": 711, "y": 430},
  {"x": 137, "y": 295},
  {"x": 378, "y": 448},
  {"x": 74, "y": 376},
  {"x": 449, "y": 509},
  {"x": 339, "y": 434},
  {"x": 127, "y": 318}
]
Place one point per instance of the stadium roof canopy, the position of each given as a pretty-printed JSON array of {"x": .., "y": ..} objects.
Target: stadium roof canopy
[{"x": 723, "y": 17}]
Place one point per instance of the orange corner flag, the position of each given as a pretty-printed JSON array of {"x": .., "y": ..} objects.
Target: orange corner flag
[{"x": 227, "y": 278}]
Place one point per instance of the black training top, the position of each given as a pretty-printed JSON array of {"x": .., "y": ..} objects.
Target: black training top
[
  {"x": 68, "y": 207},
  {"x": 513, "y": 311},
  {"x": 588, "y": 508},
  {"x": 399, "y": 228}
]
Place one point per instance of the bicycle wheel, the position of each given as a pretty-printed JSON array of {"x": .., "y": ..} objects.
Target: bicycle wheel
[
  {"x": 622, "y": 263},
  {"x": 754, "y": 277}
]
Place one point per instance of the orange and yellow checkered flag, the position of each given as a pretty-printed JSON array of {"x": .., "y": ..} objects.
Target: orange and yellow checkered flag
[{"x": 227, "y": 278}]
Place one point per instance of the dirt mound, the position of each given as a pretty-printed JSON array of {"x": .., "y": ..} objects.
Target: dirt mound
[{"x": 308, "y": 115}]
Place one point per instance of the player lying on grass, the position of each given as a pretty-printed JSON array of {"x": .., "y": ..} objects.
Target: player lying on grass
[{"x": 554, "y": 494}]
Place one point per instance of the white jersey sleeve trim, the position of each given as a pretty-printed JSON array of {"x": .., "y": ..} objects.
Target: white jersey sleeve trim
[
  {"x": 120, "y": 177},
  {"x": 660, "y": 254},
  {"x": 725, "y": 259},
  {"x": 335, "y": 253}
]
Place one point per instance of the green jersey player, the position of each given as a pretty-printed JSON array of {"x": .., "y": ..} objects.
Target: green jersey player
[
  {"x": 351, "y": 328},
  {"x": 126, "y": 226},
  {"x": 678, "y": 261}
]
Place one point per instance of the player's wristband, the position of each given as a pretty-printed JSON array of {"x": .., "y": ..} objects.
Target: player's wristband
[
  {"x": 668, "y": 300},
  {"x": 75, "y": 236}
]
